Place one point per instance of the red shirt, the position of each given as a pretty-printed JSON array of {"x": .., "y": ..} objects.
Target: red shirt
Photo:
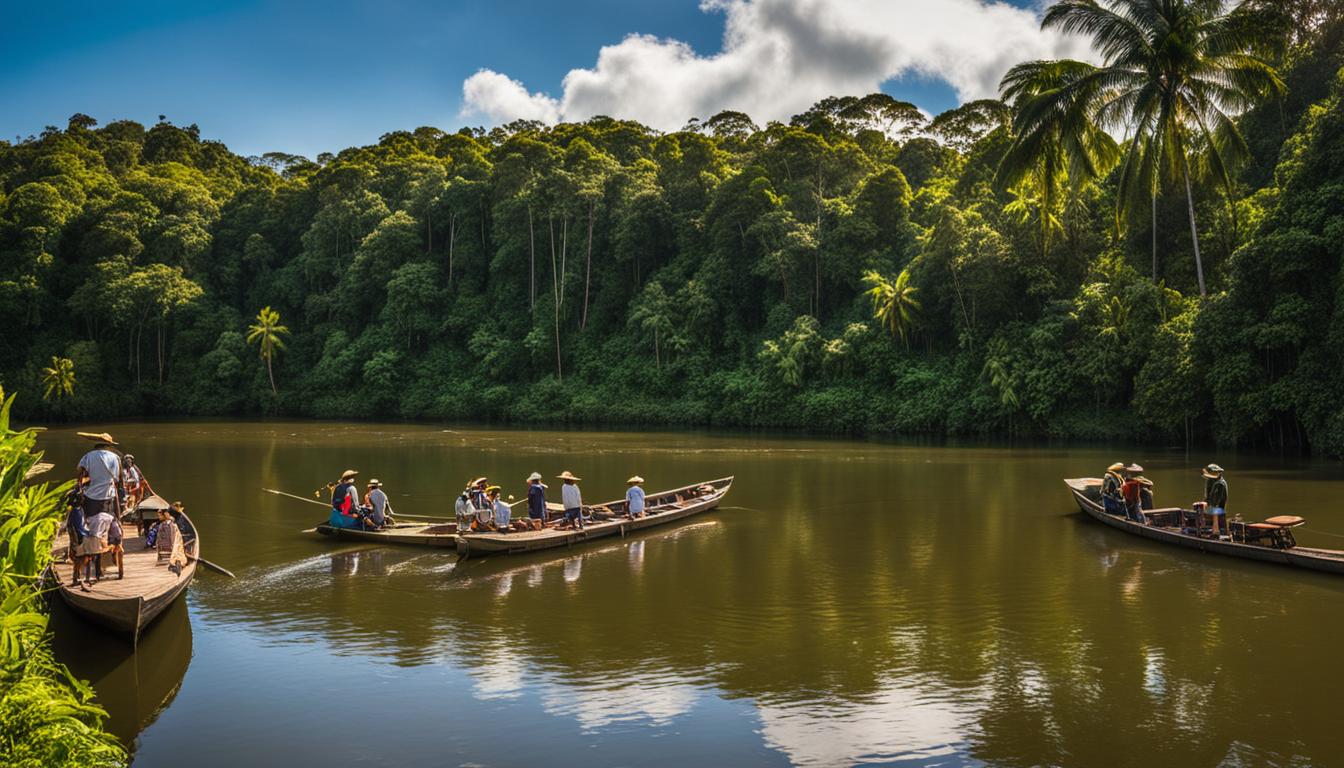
[{"x": 1130, "y": 491}]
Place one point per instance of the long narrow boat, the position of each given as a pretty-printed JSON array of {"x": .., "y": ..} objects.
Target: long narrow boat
[
  {"x": 130, "y": 604},
  {"x": 1269, "y": 541},
  {"x": 662, "y": 508}
]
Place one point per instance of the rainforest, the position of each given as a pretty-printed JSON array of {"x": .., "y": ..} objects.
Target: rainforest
[{"x": 1056, "y": 263}]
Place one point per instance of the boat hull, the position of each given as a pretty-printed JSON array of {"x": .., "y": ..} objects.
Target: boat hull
[
  {"x": 129, "y": 607},
  {"x": 1323, "y": 560}
]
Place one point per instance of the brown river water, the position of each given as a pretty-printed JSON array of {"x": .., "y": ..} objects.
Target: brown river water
[{"x": 850, "y": 603}]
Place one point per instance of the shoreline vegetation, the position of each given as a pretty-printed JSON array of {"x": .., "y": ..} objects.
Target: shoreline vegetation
[
  {"x": 48, "y": 717},
  {"x": 1005, "y": 268}
]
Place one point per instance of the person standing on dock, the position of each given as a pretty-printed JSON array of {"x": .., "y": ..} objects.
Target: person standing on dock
[
  {"x": 1215, "y": 497},
  {"x": 634, "y": 497},
  {"x": 571, "y": 499},
  {"x": 536, "y": 500}
]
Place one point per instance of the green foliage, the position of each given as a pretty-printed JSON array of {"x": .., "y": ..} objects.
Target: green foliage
[
  {"x": 856, "y": 269},
  {"x": 48, "y": 717}
]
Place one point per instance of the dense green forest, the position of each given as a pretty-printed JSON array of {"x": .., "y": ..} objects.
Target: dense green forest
[{"x": 858, "y": 269}]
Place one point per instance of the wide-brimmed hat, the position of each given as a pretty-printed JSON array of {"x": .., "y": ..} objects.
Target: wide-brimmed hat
[
  {"x": 1212, "y": 472},
  {"x": 1144, "y": 481},
  {"x": 534, "y": 476},
  {"x": 476, "y": 482},
  {"x": 1134, "y": 468},
  {"x": 375, "y": 481},
  {"x": 567, "y": 475},
  {"x": 349, "y": 473},
  {"x": 493, "y": 489},
  {"x": 636, "y": 480},
  {"x": 1116, "y": 467},
  {"x": 98, "y": 437},
  {"x": 128, "y": 457}
]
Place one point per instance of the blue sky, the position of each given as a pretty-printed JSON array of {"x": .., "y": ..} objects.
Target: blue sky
[{"x": 310, "y": 77}]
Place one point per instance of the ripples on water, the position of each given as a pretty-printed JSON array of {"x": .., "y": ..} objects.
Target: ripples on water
[{"x": 852, "y": 603}]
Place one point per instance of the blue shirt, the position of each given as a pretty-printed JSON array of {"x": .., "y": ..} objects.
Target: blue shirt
[
  {"x": 634, "y": 500},
  {"x": 536, "y": 501}
]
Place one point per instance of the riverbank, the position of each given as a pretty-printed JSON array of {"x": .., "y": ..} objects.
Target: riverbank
[{"x": 49, "y": 718}]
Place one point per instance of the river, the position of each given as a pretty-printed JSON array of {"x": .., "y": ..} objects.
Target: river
[{"x": 850, "y": 602}]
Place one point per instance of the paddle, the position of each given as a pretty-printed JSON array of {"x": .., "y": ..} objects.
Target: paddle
[
  {"x": 328, "y": 506},
  {"x": 212, "y": 566}
]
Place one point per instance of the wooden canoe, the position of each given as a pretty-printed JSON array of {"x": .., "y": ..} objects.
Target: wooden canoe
[
  {"x": 663, "y": 507},
  {"x": 1086, "y": 492},
  {"x": 128, "y": 605}
]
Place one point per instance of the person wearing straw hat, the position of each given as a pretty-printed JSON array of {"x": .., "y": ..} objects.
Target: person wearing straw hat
[
  {"x": 476, "y": 492},
  {"x": 1215, "y": 497},
  {"x": 1145, "y": 493},
  {"x": 536, "y": 501},
  {"x": 572, "y": 500},
  {"x": 375, "y": 502},
  {"x": 1110, "y": 489},
  {"x": 99, "y": 474},
  {"x": 634, "y": 497},
  {"x": 1129, "y": 491},
  {"x": 345, "y": 502},
  {"x": 501, "y": 510}
]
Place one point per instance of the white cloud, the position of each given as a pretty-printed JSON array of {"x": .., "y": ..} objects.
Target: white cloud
[{"x": 781, "y": 56}]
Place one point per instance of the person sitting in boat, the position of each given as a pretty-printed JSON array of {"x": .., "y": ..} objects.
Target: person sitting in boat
[
  {"x": 345, "y": 511},
  {"x": 464, "y": 510},
  {"x": 536, "y": 501},
  {"x": 634, "y": 497},
  {"x": 375, "y": 504},
  {"x": 1129, "y": 491},
  {"x": 1215, "y": 498},
  {"x": 1111, "y": 500},
  {"x": 572, "y": 500},
  {"x": 1145, "y": 493},
  {"x": 500, "y": 508},
  {"x": 476, "y": 491},
  {"x": 168, "y": 539}
]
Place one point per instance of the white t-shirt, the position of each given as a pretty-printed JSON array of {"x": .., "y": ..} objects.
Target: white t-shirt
[
  {"x": 569, "y": 496},
  {"x": 103, "y": 467},
  {"x": 502, "y": 513}
]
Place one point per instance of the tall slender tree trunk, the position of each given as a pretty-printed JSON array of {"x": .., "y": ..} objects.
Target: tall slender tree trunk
[
  {"x": 564, "y": 251},
  {"x": 1154, "y": 235},
  {"x": 452, "y": 239},
  {"x": 555, "y": 292},
  {"x": 588, "y": 272},
  {"x": 532, "y": 259},
  {"x": 1194, "y": 232},
  {"x": 271, "y": 375}
]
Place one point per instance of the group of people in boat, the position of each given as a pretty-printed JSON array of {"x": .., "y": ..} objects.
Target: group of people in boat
[
  {"x": 481, "y": 508},
  {"x": 1126, "y": 492},
  {"x": 109, "y": 489}
]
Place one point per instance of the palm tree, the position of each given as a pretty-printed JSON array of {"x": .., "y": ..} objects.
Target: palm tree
[
  {"x": 266, "y": 333},
  {"x": 894, "y": 302},
  {"x": 1057, "y": 149},
  {"x": 1174, "y": 74},
  {"x": 59, "y": 379}
]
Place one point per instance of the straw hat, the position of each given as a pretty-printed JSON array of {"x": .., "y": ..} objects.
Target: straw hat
[
  {"x": 534, "y": 476},
  {"x": 375, "y": 482},
  {"x": 494, "y": 489},
  {"x": 1116, "y": 467},
  {"x": 98, "y": 437},
  {"x": 349, "y": 473},
  {"x": 567, "y": 475},
  {"x": 1135, "y": 468},
  {"x": 476, "y": 482},
  {"x": 1212, "y": 472},
  {"x": 636, "y": 480}
]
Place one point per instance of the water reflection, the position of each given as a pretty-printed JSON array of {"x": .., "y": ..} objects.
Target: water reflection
[
  {"x": 854, "y": 603},
  {"x": 134, "y": 684}
]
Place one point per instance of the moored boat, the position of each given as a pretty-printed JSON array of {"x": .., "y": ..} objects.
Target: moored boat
[
  {"x": 1268, "y": 541},
  {"x": 609, "y": 520},
  {"x": 130, "y": 604}
]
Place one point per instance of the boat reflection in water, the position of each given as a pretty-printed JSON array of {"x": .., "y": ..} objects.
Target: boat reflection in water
[{"x": 134, "y": 684}]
